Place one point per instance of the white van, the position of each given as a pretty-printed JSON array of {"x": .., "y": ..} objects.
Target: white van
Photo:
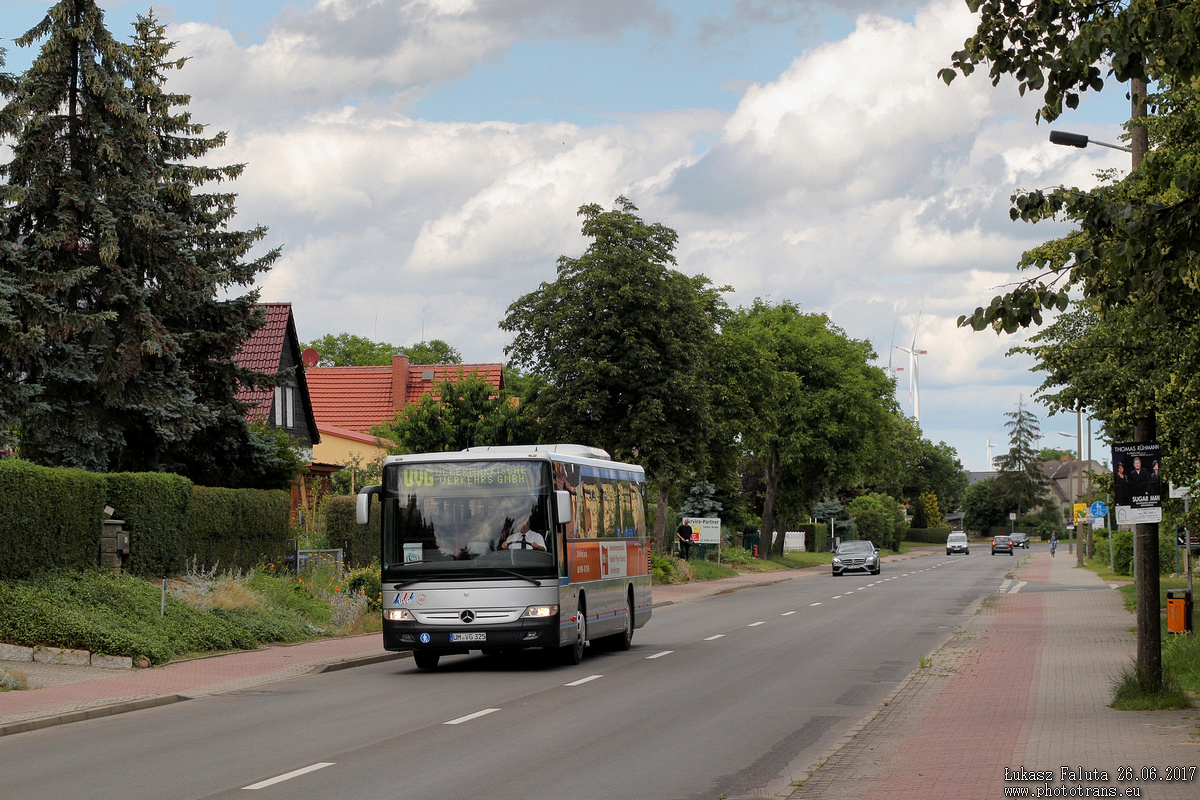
[{"x": 957, "y": 542}]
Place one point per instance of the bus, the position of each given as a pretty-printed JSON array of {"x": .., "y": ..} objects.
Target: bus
[{"x": 498, "y": 549}]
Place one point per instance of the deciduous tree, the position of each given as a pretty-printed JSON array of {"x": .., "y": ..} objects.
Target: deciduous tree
[
  {"x": 814, "y": 405},
  {"x": 617, "y": 343}
]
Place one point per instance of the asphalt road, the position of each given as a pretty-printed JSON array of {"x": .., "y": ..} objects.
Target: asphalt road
[{"x": 729, "y": 696}]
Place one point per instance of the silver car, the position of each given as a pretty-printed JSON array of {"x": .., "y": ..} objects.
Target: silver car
[
  {"x": 856, "y": 556},
  {"x": 957, "y": 542}
]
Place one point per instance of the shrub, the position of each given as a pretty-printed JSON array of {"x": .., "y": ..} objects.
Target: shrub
[
  {"x": 236, "y": 528},
  {"x": 155, "y": 508},
  {"x": 51, "y": 518},
  {"x": 366, "y": 581},
  {"x": 1122, "y": 546},
  {"x": 340, "y": 526},
  {"x": 664, "y": 569},
  {"x": 735, "y": 555}
]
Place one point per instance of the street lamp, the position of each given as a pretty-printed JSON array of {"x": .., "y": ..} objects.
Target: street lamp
[
  {"x": 1077, "y": 480},
  {"x": 1080, "y": 140},
  {"x": 1145, "y": 429}
]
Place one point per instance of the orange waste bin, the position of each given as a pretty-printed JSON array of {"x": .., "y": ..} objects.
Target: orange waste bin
[{"x": 1179, "y": 611}]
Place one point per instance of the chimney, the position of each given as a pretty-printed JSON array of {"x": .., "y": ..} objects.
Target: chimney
[{"x": 399, "y": 381}]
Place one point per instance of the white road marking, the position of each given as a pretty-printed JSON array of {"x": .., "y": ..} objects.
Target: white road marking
[
  {"x": 470, "y": 717},
  {"x": 289, "y": 775},
  {"x": 789, "y": 613},
  {"x": 660, "y": 655},
  {"x": 718, "y": 636},
  {"x": 810, "y": 605},
  {"x": 756, "y": 624},
  {"x": 836, "y": 597},
  {"x": 582, "y": 681}
]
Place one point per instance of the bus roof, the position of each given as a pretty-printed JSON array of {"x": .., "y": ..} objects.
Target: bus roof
[
  {"x": 561, "y": 449},
  {"x": 576, "y": 453}
]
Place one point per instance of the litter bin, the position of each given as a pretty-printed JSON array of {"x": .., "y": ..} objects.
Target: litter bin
[{"x": 1179, "y": 611}]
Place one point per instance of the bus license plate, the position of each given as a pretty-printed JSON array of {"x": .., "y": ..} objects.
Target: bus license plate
[{"x": 468, "y": 637}]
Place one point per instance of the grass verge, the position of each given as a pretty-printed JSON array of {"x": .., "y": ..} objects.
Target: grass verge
[{"x": 202, "y": 612}]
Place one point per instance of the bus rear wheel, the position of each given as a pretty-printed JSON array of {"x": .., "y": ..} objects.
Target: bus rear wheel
[
  {"x": 425, "y": 659},
  {"x": 623, "y": 640}
]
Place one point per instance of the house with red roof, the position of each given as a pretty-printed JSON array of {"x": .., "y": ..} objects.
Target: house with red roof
[
  {"x": 348, "y": 401},
  {"x": 272, "y": 349}
]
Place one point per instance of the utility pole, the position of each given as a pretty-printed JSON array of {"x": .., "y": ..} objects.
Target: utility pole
[
  {"x": 1079, "y": 548},
  {"x": 1145, "y": 429}
]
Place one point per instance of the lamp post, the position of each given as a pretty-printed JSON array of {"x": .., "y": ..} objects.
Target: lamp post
[
  {"x": 1145, "y": 429},
  {"x": 1077, "y": 475}
]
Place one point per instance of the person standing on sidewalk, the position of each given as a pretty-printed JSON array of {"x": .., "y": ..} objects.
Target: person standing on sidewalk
[
  {"x": 1053, "y": 543},
  {"x": 684, "y": 534}
]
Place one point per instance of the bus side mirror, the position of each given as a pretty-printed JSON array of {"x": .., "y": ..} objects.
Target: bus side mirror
[
  {"x": 362, "y": 508},
  {"x": 562, "y": 506}
]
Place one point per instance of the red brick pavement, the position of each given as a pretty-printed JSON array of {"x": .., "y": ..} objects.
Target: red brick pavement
[{"x": 1025, "y": 684}]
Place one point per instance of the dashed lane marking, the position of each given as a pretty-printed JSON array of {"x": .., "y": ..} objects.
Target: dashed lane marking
[
  {"x": 470, "y": 717},
  {"x": 287, "y": 776}
]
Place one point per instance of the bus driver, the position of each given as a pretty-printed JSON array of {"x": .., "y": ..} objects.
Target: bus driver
[{"x": 524, "y": 536}]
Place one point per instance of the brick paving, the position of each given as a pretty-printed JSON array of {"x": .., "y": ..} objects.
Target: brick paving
[{"x": 1025, "y": 684}]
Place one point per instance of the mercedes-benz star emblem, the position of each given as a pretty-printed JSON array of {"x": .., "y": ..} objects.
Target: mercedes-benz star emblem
[{"x": 467, "y": 616}]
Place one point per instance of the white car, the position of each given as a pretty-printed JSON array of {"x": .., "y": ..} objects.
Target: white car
[{"x": 957, "y": 542}]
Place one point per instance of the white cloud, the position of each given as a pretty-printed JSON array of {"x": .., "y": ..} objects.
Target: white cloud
[{"x": 856, "y": 184}]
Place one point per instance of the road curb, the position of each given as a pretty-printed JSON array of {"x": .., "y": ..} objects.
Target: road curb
[{"x": 90, "y": 713}]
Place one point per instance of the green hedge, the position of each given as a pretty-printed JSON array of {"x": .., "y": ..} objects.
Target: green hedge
[
  {"x": 155, "y": 508},
  {"x": 51, "y": 518},
  {"x": 237, "y": 528},
  {"x": 927, "y": 535},
  {"x": 363, "y": 540}
]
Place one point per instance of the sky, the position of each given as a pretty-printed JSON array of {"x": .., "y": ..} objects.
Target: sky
[{"x": 421, "y": 164}]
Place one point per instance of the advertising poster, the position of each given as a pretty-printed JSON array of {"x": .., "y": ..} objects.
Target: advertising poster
[{"x": 1137, "y": 484}]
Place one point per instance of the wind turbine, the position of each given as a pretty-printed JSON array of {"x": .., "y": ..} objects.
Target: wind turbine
[{"x": 914, "y": 384}]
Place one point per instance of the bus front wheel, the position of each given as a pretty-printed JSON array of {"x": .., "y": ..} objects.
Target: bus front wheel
[
  {"x": 425, "y": 659},
  {"x": 573, "y": 653}
]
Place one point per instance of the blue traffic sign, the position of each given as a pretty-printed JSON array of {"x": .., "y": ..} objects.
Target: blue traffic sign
[{"x": 1099, "y": 509}]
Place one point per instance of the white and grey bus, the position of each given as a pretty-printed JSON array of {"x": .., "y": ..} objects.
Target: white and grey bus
[{"x": 505, "y": 548}]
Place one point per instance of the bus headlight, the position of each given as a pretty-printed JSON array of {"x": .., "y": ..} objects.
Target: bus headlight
[
  {"x": 540, "y": 612},
  {"x": 398, "y": 615}
]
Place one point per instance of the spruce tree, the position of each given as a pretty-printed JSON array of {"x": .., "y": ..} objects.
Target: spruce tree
[
  {"x": 121, "y": 274},
  {"x": 1021, "y": 485}
]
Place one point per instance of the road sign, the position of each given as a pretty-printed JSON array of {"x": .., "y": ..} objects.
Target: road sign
[
  {"x": 1080, "y": 513},
  {"x": 1099, "y": 509}
]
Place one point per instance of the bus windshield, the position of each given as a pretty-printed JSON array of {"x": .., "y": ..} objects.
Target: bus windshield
[{"x": 464, "y": 516}]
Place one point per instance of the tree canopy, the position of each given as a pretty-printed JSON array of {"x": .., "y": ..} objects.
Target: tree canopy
[
  {"x": 350, "y": 350},
  {"x": 120, "y": 310},
  {"x": 618, "y": 342},
  {"x": 1021, "y": 485},
  {"x": 813, "y": 405},
  {"x": 466, "y": 413}
]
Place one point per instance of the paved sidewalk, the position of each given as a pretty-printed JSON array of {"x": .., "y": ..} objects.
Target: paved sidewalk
[{"x": 1025, "y": 685}]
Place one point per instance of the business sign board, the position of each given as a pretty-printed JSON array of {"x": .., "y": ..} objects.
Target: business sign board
[
  {"x": 705, "y": 530},
  {"x": 1137, "y": 485}
]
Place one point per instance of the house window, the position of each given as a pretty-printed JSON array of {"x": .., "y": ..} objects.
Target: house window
[{"x": 285, "y": 406}]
